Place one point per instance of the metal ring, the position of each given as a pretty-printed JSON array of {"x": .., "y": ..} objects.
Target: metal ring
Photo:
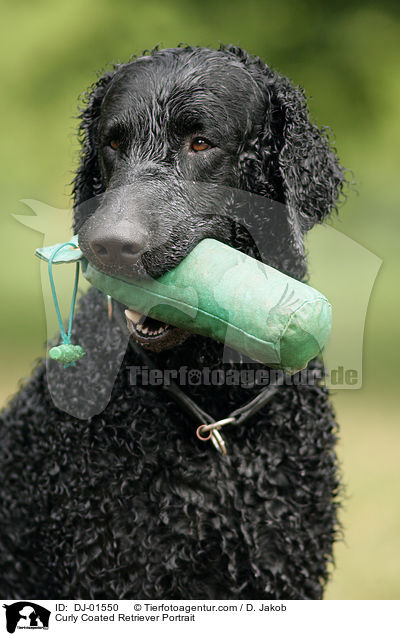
[{"x": 199, "y": 435}]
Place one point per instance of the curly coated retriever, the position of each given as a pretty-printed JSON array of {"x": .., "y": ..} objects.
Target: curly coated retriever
[{"x": 126, "y": 502}]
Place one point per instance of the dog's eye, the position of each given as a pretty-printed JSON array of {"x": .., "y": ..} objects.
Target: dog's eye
[
  {"x": 199, "y": 144},
  {"x": 114, "y": 144}
]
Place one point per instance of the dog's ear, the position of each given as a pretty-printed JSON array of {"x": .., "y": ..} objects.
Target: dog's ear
[
  {"x": 312, "y": 178},
  {"x": 292, "y": 160},
  {"x": 88, "y": 182}
]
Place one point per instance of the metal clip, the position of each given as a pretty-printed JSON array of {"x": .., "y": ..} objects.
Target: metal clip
[{"x": 214, "y": 433}]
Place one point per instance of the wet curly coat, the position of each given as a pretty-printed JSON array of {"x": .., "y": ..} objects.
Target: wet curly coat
[{"x": 129, "y": 503}]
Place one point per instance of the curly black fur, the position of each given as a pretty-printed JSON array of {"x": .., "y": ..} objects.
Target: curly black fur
[{"x": 129, "y": 503}]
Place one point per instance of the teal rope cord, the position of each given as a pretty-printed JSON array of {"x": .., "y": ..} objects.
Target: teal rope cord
[
  {"x": 67, "y": 352},
  {"x": 65, "y": 336},
  {"x": 72, "y": 310}
]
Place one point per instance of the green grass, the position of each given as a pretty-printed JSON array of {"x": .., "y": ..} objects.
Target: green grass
[{"x": 368, "y": 559}]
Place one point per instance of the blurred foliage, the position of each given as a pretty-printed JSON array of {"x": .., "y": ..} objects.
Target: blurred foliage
[{"x": 346, "y": 54}]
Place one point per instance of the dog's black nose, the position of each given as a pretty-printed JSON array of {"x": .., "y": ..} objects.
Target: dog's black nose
[{"x": 118, "y": 249}]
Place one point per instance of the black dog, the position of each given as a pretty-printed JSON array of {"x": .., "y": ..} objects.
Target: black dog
[{"x": 129, "y": 503}]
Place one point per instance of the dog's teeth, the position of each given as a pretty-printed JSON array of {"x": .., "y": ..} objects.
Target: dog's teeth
[
  {"x": 136, "y": 324},
  {"x": 131, "y": 326},
  {"x": 133, "y": 316}
]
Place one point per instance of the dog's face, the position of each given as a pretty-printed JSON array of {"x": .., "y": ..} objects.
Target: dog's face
[{"x": 171, "y": 137}]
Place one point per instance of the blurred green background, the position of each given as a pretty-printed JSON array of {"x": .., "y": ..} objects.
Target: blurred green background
[{"x": 347, "y": 57}]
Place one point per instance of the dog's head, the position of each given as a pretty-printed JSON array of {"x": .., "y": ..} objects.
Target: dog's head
[{"x": 174, "y": 143}]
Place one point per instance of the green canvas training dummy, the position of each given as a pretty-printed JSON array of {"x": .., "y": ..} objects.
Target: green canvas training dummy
[{"x": 218, "y": 292}]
